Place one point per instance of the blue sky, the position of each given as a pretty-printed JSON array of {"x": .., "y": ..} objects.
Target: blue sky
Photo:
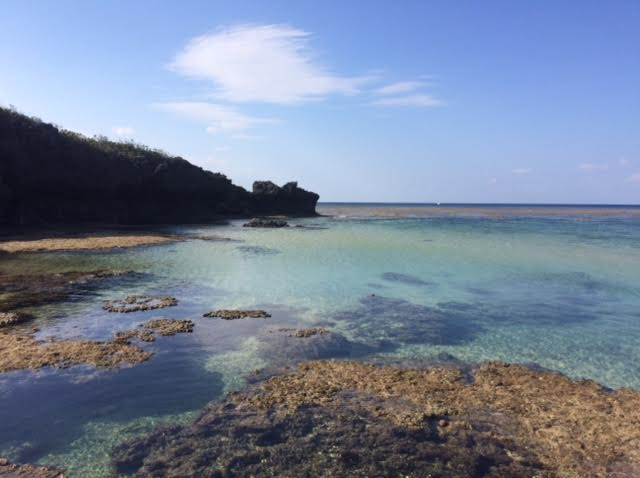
[{"x": 359, "y": 101}]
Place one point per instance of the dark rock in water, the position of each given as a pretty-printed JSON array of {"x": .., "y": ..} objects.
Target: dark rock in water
[
  {"x": 405, "y": 279},
  {"x": 53, "y": 176},
  {"x": 227, "y": 314},
  {"x": 12, "y": 318},
  {"x": 266, "y": 222},
  {"x": 268, "y": 198},
  {"x": 258, "y": 250},
  {"x": 11, "y": 470},
  {"x": 25, "y": 290},
  {"x": 136, "y": 303}
]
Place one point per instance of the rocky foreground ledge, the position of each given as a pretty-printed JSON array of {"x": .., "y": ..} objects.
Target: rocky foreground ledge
[{"x": 339, "y": 419}]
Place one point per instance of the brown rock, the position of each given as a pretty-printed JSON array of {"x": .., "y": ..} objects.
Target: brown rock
[{"x": 169, "y": 326}]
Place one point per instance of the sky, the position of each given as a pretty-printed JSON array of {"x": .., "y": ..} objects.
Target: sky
[{"x": 516, "y": 102}]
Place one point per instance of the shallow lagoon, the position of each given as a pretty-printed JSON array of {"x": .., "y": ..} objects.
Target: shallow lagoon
[{"x": 554, "y": 287}]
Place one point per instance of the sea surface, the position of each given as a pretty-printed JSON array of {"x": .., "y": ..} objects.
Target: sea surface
[{"x": 555, "y": 287}]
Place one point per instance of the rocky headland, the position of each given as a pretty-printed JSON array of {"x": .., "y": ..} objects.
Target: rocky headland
[{"x": 51, "y": 176}]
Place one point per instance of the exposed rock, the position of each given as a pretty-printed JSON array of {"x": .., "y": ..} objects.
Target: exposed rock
[
  {"x": 136, "y": 303},
  {"x": 10, "y": 470},
  {"x": 25, "y": 290},
  {"x": 25, "y": 352},
  {"x": 53, "y": 176},
  {"x": 227, "y": 314},
  {"x": 168, "y": 327},
  {"x": 289, "y": 199},
  {"x": 266, "y": 222},
  {"x": 12, "y": 318}
]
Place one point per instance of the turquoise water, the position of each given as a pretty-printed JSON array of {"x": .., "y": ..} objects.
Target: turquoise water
[{"x": 557, "y": 288}]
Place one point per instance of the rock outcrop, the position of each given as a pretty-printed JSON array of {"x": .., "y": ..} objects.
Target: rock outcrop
[
  {"x": 268, "y": 198},
  {"x": 53, "y": 176}
]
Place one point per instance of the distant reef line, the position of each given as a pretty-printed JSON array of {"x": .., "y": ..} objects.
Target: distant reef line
[{"x": 51, "y": 176}]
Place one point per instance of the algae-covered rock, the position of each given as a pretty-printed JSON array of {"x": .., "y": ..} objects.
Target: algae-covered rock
[{"x": 343, "y": 419}]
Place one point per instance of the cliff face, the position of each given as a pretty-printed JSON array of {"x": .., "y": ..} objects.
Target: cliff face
[{"x": 50, "y": 176}]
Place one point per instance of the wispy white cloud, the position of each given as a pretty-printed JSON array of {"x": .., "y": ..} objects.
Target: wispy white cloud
[
  {"x": 400, "y": 87},
  {"x": 493, "y": 180},
  {"x": 418, "y": 101},
  {"x": 591, "y": 167},
  {"x": 624, "y": 162},
  {"x": 522, "y": 171},
  {"x": 123, "y": 131},
  {"x": 634, "y": 178},
  {"x": 219, "y": 118},
  {"x": 263, "y": 64}
]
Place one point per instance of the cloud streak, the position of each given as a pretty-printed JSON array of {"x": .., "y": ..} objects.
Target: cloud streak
[
  {"x": 219, "y": 118},
  {"x": 416, "y": 101},
  {"x": 591, "y": 167},
  {"x": 522, "y": 171},
  {"x": 401, "y": 87},
  {"x": 261, "y": 64}
]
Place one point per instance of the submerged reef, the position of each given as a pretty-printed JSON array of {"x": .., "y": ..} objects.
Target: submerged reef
[
  {"x": 26, "y": 290},
  {"x": 384, "y": 321},
  {"x": 304, "y": 333},
  {"x": 285, "y": 347},
  {"x": 21, "y": 351},
  {"x": 341, "y": 418},
  {"x": 137, "y": 303},
  {"x": 228, "y": 314},
  {"x": 11, "y": 470},
  {"x": 405, "y": 279}
]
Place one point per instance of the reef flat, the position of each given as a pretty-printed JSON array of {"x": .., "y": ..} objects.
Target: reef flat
[
  {"x": 343, "y": 418},
  {"x": 86, "y": 242}
]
